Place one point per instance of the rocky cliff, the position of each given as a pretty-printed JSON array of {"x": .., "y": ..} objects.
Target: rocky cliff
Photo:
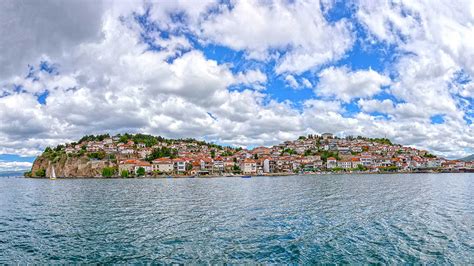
[{"x": 69, "y": 166}]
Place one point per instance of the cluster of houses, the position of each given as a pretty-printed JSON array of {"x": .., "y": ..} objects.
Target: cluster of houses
[{"x": 314, "y": 153}]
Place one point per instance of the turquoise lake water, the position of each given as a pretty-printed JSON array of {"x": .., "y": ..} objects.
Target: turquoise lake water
[{"x": 420, "y": 218}]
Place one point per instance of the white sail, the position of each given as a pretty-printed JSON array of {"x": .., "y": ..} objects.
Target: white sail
[{"x": 53, "y": 174}]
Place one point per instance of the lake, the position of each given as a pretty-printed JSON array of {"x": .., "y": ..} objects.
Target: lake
[{"x": 402, "y": 218}]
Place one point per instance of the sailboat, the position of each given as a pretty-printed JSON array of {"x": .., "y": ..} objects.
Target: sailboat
[{"x": 53, "y": 174}]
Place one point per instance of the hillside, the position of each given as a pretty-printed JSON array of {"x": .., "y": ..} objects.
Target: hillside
[
  {"x": 130, "y": 155},
  {"x": 467, "y": 158}
]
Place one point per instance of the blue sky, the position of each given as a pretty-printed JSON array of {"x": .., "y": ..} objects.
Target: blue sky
[{"x": 243, "y": 73}]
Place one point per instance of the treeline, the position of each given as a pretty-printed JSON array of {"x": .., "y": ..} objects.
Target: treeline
[
  {"x": 162, "y": 152},
  {"x": 94, "y": 138},
  {"x": 377, "y": 140},
  {"x": 148, "y": 140}
]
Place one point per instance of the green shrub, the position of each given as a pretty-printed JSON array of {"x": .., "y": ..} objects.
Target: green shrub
[
  {"x": 108, "y": 171},
  {"x": 97, "y": 155},
  {"x": 40, "y": 172},
  {"x": 141, "y": 171},
  {"x": 124, "y": 174}
]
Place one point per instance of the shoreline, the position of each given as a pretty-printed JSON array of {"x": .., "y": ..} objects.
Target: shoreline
[{"x": 257, "y": 176}]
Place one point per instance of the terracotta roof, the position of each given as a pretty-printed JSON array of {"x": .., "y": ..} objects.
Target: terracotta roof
[
  {"x": 143, "y": 163},
  {"x": 162, "y": 161},
  {"x": 131, "y": 161}
]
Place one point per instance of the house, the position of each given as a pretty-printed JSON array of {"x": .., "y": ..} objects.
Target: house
[
  {"x": 343, "y": 149},
  {"x": 143, "y": 153},
  {"x": 195, "y": 167},
  {"x": 248, "y": 166},
  {"x": 92, "y": 147},
  {"x": 69, "y": 150},
  {"x": 163, "y": 165},
  {"x": 261, "y": 151},
  {"x": 326, "y": 136},
  {"x": 366, "y": 160},
  {"x": 218, "y": 165},
  {"x": 127, "y": 165},
  {"x": 318, "y": 163},
  {"x": 228, "y": 164},
  {"x": 460, "y": 164},
  {"x": 142, "y": 164},
  {"x": 207, "y": 164},
  {"x": 180, "y": 165},
  {"x": 283, "y": 164},
  {"x": 331, "y": 162},
  {"x": 355, "y": 162},
  {"x": 345, "y": 164}
]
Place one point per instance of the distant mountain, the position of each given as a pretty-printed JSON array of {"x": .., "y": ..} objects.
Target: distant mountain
[
  {"x": 468, "y": 158},
  {"x": 12, "y": 173}
]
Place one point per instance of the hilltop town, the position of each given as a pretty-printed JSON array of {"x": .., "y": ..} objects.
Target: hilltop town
[{"x": 137, "y": 155}]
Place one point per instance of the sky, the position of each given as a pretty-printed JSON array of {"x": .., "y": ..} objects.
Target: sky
[{"x": 241, "y": 73}]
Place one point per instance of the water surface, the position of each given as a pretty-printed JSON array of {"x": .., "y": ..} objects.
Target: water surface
[{"x": 425, "y": 218}]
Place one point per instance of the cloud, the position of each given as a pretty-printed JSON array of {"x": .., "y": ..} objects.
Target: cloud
[
  {"x": 291, "y": 81},
  {"x": 369, "y": 106},
  {"x": 437, "y": 41},
  {"x": 259, "y": 27},
  {"x": 143, "y": 92},
  {"x": 14, "y": 166},
  {"x": 343, "y": 84},
  {"x": 253, "y": 77},
  {"x": 306, "y": 83},
  {"x": 50, "y": 28},
  {"x": 124, "y": 75}
]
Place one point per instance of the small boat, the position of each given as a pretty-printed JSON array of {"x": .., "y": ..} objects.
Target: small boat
[
  {"x": 169, "y": 176},
  {"x": 192, "y": 176},
  {"x": 246, "y": 176},
  {"x": 53, "y": 174}
]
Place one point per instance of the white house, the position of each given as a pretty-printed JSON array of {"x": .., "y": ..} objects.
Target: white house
[
  {"x": 180, "y": 165},
  {"x": 346, "y": 164},
  {"x": 248, "y": 166},
  {"x": 331, "y": 163},
  {"x": 163, "y": 165}
]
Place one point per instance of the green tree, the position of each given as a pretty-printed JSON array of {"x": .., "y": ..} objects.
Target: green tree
[
  {"x": 59, "y": 148},
  {"x": 236, "y": 169},
  {"x": 108, "y": 171},
  {"x": 189, "y": 167},
  {"x": 289, "y": 151},
  {"x": 326, "y": 154},
  {"x": 141, "y": 171},
  {"x": 124, "y": 173},
  {"x": 213, "y": 153},
  {"x": 360, "y": 167},
  {"x": 97, "y": 155},
  {"x": 227, "y": 153},
  {"x": 162, "y": 152},
  {"x": 40, "y": 172}
]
